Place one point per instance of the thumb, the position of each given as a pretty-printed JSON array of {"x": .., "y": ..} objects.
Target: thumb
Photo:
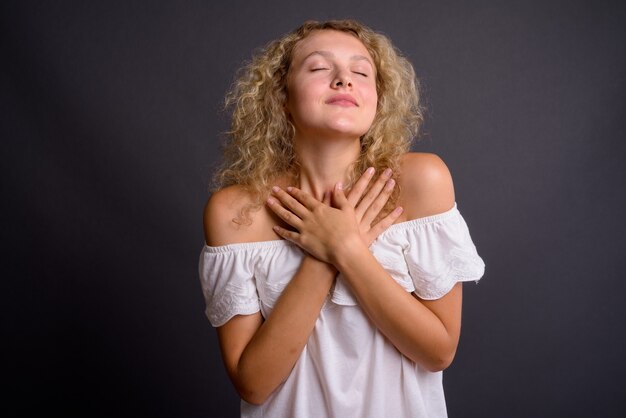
[
  {"x": 326, "y": 198},
  {"x": 339, "y": 197}
]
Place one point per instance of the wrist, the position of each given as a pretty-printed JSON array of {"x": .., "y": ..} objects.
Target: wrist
[
  {"x": 351, "y": 249},
  {"x": 319, "y": 266}
]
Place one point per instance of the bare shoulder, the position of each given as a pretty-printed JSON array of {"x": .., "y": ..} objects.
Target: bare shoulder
[
  {"x": 223, "y": 224},
  {"x": 426, "y": 185}
]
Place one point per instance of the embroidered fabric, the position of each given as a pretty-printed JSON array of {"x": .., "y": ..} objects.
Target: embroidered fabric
[{"x": 426, "y": 256}]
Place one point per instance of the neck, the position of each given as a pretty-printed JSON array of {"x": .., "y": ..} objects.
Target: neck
[{"x": 324, "y": 164}]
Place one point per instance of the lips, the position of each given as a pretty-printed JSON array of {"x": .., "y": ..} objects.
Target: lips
[{"x": 342, "y": 100}]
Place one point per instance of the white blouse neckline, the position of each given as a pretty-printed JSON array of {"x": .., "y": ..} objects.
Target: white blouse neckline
[{"x": 282, "y": 242}]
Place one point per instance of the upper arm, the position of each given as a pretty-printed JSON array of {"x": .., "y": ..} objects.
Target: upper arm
[
  {"x": 234, "y": 337},
  {"x": 219, "y": 229},
  {"x": 427, "y": 190},
  {"x": 218, "y": 215},
  {"x": 426, "y": 186},
  {"x": 448, "y": 309},
  {"x": 220, "y": 212},
  {"x": 232, "y": 216}
]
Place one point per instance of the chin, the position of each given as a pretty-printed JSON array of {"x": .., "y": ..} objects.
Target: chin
[
  {"x": 348, "y": 129},
  {"x": 343, "y": 129}
]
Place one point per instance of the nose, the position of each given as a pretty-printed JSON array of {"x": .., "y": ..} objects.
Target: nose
[{"x": 342, "y": 80}]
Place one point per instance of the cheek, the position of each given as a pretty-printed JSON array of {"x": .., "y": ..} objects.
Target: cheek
[
  {"x": 298, "y": 106},
  {"x": 367, "y": 90},
  {"x": 372, "y": 99},
  {"x": 303, "y": 100},
  {"x": 293, "y": 104}
]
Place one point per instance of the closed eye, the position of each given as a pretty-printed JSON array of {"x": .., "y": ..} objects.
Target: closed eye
[
  {"x": 319, "y": 69},
  {"x": 362, "y": 74}
]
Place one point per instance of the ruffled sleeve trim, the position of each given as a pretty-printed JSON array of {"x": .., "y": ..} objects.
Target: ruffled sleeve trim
[
  {"x": 436, "y": 252},
  {"x": 245, "y": 278},
  {"x": 228, "y": 285}
]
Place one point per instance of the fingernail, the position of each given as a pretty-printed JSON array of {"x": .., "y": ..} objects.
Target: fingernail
[
  {"x": 275, "y": 189},
  {"x": 390, "y": 184},
  {"x": 370, "y": 171},
  {"x": 387, "y": 172},
  {"x": 270, "y": 201},
  {"x": 339, "y": 186},
  {"x": 289, "y": 188},
  {"x": 398, "y": 210}
]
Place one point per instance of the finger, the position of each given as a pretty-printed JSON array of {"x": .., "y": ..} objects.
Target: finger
[
  {"x": 379, "y": 203},
  {"x": 372, "y": 193},
  {"x": 359, "y": 187},
  {"x": 339, "y": 197},
  {"x": 304, "y": 198},
  {"x": 289, "y": 202},
  {"x": 284, "y": 214},
  {"x": 287, "y": 234},
  {"x": 385, "y": 223},
  {"x": 326, "y": 198}
]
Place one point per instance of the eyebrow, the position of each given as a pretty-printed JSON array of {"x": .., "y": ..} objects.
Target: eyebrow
[{"x": 328, "y": 54}]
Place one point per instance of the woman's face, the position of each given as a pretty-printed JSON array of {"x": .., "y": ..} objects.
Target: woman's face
[{"x": 331, "y": 86}]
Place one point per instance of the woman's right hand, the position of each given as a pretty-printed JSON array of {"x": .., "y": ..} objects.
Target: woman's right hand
[
  {"x": 323, "y": 229},
  {"x": 368, "y": 207}
]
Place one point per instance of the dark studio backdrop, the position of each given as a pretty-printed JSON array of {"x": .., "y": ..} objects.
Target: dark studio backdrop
[{"x": 111, "y": 122}]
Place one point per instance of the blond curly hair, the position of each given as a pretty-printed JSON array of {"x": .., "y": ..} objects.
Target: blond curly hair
[{"x": 260, "y": 149}]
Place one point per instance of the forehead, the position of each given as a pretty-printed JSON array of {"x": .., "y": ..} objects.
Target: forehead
[{"x": 332, "y": 41}]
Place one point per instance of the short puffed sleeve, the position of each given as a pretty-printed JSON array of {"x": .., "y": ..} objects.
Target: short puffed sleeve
[
  {"x": 439, "y": 252},
  {"x": 228, "y": 284}
]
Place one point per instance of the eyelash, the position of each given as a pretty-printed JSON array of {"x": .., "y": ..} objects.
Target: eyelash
[{"x": 355, "y": 72}]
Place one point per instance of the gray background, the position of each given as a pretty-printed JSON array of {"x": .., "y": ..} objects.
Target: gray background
[{"x": 111, "y": 121}]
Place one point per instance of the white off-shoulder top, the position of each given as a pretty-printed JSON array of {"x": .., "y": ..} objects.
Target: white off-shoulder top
[{"x": 348, "y": 368}]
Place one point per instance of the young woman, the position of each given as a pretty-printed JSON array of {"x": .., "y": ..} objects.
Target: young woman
[{"x": 334, "y": 258}]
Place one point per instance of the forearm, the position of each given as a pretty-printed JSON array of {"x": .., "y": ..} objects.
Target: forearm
[
  {"x": 415, "y": 330},
  {"x": 271, "y": 354}
]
